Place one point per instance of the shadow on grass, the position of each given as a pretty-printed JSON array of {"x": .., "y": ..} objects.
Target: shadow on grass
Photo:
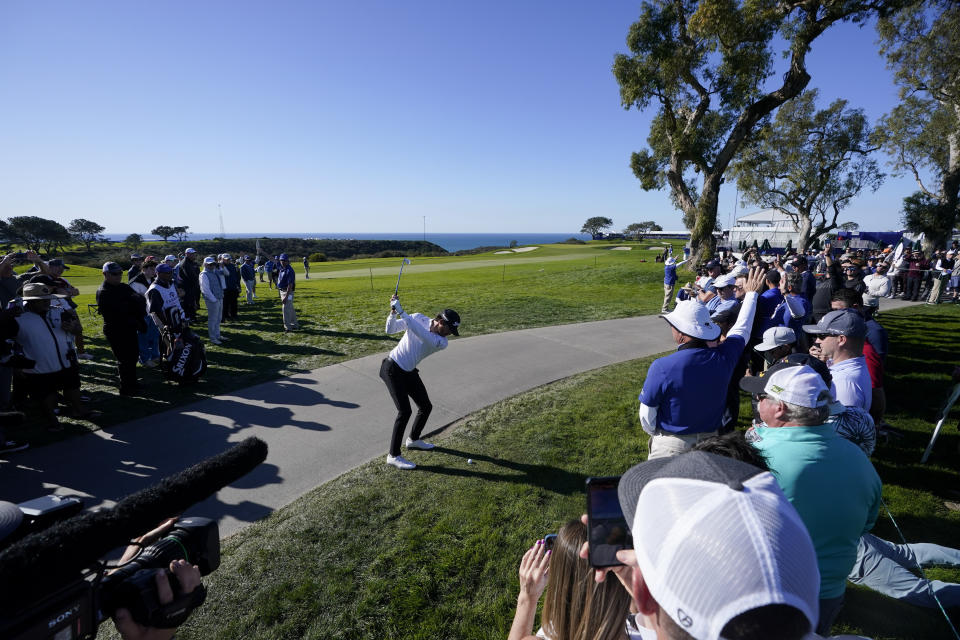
[
  {"x": 877, "y": 616},
  {"x": 546, "y": 477},
  {"x": 381, "y": 337}
]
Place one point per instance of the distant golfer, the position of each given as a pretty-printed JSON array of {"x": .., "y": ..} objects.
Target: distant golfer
[{"x": 399, "y": 372}]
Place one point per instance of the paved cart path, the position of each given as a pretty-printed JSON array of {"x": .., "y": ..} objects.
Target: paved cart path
[{"x": 319, "y": 424}]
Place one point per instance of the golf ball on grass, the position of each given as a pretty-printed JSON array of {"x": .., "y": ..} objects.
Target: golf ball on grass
[{"x": 469, "y": 460}]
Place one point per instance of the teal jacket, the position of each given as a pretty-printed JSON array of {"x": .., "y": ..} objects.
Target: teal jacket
[{"x": 834, "y": 488}]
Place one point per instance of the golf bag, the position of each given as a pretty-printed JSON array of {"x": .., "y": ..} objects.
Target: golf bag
[{"x": 184, "y": 358}]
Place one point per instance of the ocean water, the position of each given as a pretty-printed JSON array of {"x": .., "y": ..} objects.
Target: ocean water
[{"x": 449, "y": 241}]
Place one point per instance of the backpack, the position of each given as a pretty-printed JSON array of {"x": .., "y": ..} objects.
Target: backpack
[{"x": 184, "y": 357}]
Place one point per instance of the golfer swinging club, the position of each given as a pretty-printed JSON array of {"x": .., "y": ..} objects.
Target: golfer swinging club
[{"x": 422, "y": 337}]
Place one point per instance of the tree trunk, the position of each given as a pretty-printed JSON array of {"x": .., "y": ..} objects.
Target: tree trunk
[
  {"x": 803, "y": 228},
  {"x": 702, "y": 242}
]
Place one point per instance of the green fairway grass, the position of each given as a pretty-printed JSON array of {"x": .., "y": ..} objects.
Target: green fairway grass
[
  {"x": 433, "y": 553},
  {"x": 343, "y": 306}
]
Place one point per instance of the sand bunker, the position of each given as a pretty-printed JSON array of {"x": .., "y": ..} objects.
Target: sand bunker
[
  {"x": 517, "y": 250},
  {"x": 501, "y": 252},
  {"x": 620, "y": 248}
]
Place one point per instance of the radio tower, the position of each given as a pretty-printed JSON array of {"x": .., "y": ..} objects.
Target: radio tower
[{"x": 220, "y": 213}]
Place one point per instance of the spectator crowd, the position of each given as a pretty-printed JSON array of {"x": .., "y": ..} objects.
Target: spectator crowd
[
  {"x": 144, "y": 318},
  {"x": 752, "y": 535}
]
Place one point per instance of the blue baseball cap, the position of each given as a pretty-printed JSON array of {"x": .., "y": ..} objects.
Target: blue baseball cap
[{"x": 163, "y": 267}]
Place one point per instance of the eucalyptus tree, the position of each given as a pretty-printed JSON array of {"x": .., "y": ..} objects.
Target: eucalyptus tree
[
  {"x": 706, "y": 64},
  {"x": 809, "y": 164},
  {"x": 922, "y": 133}
]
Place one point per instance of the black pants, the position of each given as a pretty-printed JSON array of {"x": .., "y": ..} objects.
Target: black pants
[
  {"x": 230, "y": 304},
  {"x": 189, "y": 304},
  {"x": 912, "y": 291},
  {"x": 126, "y": 349},
  {"x": 404, "y": 385}
]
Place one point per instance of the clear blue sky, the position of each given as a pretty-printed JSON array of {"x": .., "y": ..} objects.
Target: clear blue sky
[{"x": 347, "y": 116}]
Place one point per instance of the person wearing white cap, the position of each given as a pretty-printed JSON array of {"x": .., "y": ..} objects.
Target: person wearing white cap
[
  {"x": 684, "y": 394},
  {"x": 811, "y": 462},
  {"x": 211, "y": 287},
  {"x": 777, "y": 343},
  {"x": 669, "y": 281},
  {"x": 726, "y": 298},
  {"x": 719, "y": 551},
  {"x": 706, "y": 292}
]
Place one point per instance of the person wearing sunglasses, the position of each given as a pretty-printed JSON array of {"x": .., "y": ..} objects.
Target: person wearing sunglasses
[{"x": 838, "y": 341}]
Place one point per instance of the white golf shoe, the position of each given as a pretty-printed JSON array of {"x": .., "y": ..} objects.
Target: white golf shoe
[
  {"x": 400, "y": 462},
  {"x": 418, "y": 444}
]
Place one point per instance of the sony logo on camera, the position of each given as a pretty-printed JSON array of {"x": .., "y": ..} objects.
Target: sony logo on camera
[{"x": 66, "y": 615}]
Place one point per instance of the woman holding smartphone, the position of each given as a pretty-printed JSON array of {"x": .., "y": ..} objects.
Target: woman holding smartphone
[{"x": 575, "y": 606}]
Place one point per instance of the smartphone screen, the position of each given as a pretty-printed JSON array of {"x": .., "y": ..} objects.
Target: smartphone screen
[{"x": 606, "y": 526}]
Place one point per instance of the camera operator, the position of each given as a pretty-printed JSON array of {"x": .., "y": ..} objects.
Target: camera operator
[{"x": 188, "y": 575}]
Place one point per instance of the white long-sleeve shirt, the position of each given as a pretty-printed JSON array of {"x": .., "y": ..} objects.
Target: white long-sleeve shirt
[
  {"x": 877, "y": 285},
  {"x": 417, "y": 342}
]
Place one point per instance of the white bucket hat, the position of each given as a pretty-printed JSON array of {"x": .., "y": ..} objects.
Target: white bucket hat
[{"x": 690, "y": 317}]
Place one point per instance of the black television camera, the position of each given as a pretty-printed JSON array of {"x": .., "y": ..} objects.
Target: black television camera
[
  {"x": 77, "y": 609},
  {"x": 53, "y": 584}
]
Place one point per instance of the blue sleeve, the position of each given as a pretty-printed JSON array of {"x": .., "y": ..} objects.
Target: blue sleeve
[
  {"x": 732, "y": 349},
  {"x": 651, "y": 392}
]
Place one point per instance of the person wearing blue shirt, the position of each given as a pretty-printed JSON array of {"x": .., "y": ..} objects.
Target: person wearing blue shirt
[
  {"x": 808, "y": 283},
  {"x": 248, "y": 273},
  {"x": 768, "y": 303},
  {"x": 268, "y": 269},
  {"x": 669, "y": 281},
  {"x": 684, "y": 394},
  {"x": 286, "y": 283},
  {"x": 726, "y": 295}
]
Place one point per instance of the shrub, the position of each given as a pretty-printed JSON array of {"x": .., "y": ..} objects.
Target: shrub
[{"x": 318, "y": 257}]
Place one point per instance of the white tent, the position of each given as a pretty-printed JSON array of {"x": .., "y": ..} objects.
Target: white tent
[{"x": 769, "y": 224}]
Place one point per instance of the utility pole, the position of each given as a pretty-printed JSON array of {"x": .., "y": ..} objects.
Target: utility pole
[
  {"x": 424, "y": 228},
  {"x": 220, "y": 213}
]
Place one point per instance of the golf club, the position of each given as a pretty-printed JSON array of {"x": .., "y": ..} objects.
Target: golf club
[{"x": 405, "y": 261}]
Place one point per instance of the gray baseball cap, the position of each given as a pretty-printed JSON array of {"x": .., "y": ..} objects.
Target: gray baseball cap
[{"x": 842, "y": 322}]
